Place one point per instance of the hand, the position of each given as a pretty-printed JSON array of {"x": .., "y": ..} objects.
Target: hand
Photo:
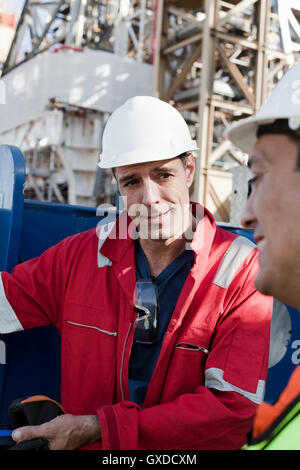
[{"x": 66, "y": 432}]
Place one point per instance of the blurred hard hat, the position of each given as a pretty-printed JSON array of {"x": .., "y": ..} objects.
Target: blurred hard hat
[
  {"x": 282, "y": 103},
  {"x": 144, "y": 129}
]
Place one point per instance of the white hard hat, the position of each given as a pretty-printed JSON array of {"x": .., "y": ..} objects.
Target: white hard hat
[
  {"x": 144, "y": 129},
  {"x": 283, "y": 103}
]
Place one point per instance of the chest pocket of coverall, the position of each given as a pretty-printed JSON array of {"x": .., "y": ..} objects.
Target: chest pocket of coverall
[
  {"x": 89, "y": 342},
  {"x": 186, "y": 370},
  {"x": 89, "y": 332}
]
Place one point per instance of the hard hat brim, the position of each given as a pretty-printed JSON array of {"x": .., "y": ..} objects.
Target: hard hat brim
[
  {"x": 243, "y": 133},
  {"x": 143, "y": 156}
]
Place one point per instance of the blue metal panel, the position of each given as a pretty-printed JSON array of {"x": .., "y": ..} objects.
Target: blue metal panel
[
  {"x": 32, "y": 366},
  {"x": 279, "y": 373},
  {"x": 12, "y": 178},
  {"x": 45, "y": 224}
]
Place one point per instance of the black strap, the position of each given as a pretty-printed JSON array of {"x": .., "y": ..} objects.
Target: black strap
[{"x": 33, "y": 444}]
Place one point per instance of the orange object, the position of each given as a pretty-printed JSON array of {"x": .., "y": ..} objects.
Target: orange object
[
  {"x": 267, "y": 413},
  {"x": 36, "y": 398}
]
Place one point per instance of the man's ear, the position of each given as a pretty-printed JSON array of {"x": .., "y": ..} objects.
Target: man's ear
[{"x": 190, "y": 168}]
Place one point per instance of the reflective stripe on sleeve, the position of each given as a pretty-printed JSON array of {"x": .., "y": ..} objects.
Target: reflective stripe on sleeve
[
  {"x": 236, "y": 254},
  {"x": 9, "y": 322},
  {"x": 214, "y": 378}
]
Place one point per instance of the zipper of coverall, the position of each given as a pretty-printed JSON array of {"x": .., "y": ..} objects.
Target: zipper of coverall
[
  {"x": 122, "y": 361},
  {"x": 191, "y": 347},
  {"x": 111, "y": 333}
]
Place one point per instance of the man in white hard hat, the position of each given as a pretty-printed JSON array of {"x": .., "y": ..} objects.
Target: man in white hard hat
[
  {"x": 272, "y": 138},
  {"x": 165, "y": 339}
]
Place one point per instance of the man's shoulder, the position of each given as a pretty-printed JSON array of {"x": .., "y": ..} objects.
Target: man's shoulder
[
  {"x": 237, "y": 240},
  {"x": 76, "y": 241},
  {"x": 237, "y": 254}
]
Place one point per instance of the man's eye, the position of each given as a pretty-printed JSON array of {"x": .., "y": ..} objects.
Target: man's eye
[
  {"x": 251, "y": 185},
  {"x": 130, "y": 183},
  {"x": 164, "y": 175}
]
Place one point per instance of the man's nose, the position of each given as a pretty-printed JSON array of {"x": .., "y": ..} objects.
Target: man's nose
[
  {"x": 248, "y": 218},
  {"x": 150, "y": 193}
]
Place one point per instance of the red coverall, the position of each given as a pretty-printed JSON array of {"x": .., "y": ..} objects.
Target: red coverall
[{"x": 212, "y": 368}]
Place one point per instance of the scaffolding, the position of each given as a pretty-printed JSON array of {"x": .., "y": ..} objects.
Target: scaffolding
[
  {"x": 120, "y": 26},
  {"x": 216, "y": 61},
  {"x": 55, "y": 44}
]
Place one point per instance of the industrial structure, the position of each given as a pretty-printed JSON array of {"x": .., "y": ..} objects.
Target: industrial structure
[{"x": 71, "y": 63}]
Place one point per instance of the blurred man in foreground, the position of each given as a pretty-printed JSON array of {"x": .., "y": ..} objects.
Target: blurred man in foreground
[{"x": 272, "y": 138}]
